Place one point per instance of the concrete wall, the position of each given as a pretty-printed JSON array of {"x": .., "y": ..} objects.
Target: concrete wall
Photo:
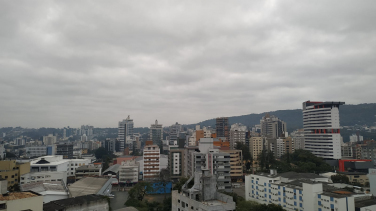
[
  {"x": 92, "y": 205},
  {"x": 53, "y": 196},
  {"x": 33, "y": 203}
]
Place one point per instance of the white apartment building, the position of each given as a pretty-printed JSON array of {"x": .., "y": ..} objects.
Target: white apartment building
[
  {"x": 298, "y": 191},
  {"x": 237, "y": 134},
  {"x": 44, "y": 176},
  {"x": 36, "y": 151},
  {"x": 298, "y": 139},
  {"x": 355, "y": 138},
  {"x": 151, "y": 162},
  {"x": 156, "y": 132},
  {"x": 128, "y": 172},
  {"x": 321, "y": 129},
  {"x": 57, "y": 163}
]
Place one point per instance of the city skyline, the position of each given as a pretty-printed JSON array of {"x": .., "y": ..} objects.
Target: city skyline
[{"x": 96, "y": 63}]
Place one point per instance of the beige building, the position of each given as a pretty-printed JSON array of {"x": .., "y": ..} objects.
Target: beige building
[
  {"x": 236, "y": 163},
  {"x": 26, "y": 200},
  {"x": 357, "y": 177},
  {"x": 151, "y": 161},
  {"x": 11, "y": 171},
  {"x": 256, "y": 145}
]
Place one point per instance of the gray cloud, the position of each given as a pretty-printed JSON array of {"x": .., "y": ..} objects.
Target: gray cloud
[{"x": 71, "y": 63}]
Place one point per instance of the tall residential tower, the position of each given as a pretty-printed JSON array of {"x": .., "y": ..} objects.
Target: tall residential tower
[
  {"x": 125, "y": 131},
  {"x": 321, "y": 129},
  {"x": 222, "y": 128}
]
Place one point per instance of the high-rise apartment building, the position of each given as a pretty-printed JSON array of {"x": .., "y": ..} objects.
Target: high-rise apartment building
[
  {"x": 272, "y": 126},
  {"x": 321, "y": 129},
  {"x": 156, "y": 132},
  {"x": 49, "y": 140},
  {"x": 209, "y": 157},
  {"x": 222, "y": 127},
  {"x": 237, "y": 134},
  {"x": 125, "y": 133},
  {"x": 174, "y": 133},
  {"x": 176, "y": 163},
  {"x": 87, "y": 130},
  {"x": 256, "y": 145},
  {"x": 151, "y": 161},
  {"x": 66, "y": 150},
  {"x": 298, "y": 139}
]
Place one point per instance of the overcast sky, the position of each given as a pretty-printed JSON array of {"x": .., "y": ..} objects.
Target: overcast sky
[{"x": 68, "y": 63}]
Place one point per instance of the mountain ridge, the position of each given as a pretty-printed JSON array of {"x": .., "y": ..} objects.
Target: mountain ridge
[{"x": 360, "y": 114}]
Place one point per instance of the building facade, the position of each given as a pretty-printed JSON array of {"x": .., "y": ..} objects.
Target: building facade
[
  {"x": 11, "y": 171},
  {"x": 321, "y": 129},
  {"x": 151, "y": 162},
  {"x": 36, "y": 151},
  {"x": 272, "y": 126},
  {"x": 125, "y": 130},
  {"x": 156, "y": 132},
  {"x": 66, "y": 150},
  {"x": 177, "y": 163},
  {"x": 129, "y": 172},
  {"x": 237, "y": 134},
  {"x": 222, "y": 127},
  {"x": 297, "y": 191},
  {"x": 203, "y": 196},
  {"x": 49, "y": 140}
]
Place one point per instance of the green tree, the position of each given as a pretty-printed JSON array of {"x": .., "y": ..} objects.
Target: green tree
[
  {"x": 139, "y": 190},
  {"x": 245, "y": 151},
  {"x": 101, "y": 152},
  {"x": 340, "y": 178}
]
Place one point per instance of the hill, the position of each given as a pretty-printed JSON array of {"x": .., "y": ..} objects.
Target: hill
[{"x": 362, "y": 114}]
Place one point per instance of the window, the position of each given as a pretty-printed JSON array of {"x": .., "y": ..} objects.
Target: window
[{"x": 3, "y": 206}]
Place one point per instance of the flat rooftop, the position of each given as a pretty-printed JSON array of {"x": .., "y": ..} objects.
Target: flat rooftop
[
  {"x": 87, "y": 186},
  {"x": 38, "y": 187},
  {"x": 17, "y": 195}
]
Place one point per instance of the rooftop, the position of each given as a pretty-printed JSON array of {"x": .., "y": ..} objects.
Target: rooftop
[
  {"x": 88, "y": 167},
  {"x": 365, "y": 203},
  {"x": 17, "y": 195},
  {"x": 87, "y": 185},
  {"x": 64, "y": 203},
  {"x": 43, "y": 186},
  {"x": 113, "y": 168}
]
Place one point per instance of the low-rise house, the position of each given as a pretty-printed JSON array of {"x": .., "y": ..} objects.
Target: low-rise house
[
  {"x": 91, "y": 185},
  {"x": 50, "y": 191},
  {"x": 88, "y": 170},
  {"x": 26, "y": 200},
  {"x": 44, "y": 176}
]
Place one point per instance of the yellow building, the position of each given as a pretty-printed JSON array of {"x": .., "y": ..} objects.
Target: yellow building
[
  {"x": 236, "y": 162},
  {"x": 256, "y": 145},
  {"x": 11, "y": 171}
]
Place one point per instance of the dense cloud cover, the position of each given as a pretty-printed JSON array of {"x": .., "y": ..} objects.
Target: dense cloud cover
[{"x": 95, "y": 62}]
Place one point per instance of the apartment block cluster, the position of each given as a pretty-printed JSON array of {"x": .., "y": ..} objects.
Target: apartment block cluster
[{"x": 53, "y": 183}]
